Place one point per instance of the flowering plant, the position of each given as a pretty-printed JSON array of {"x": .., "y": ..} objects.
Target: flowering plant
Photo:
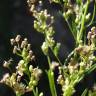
[{"x": 79, "y": 63}]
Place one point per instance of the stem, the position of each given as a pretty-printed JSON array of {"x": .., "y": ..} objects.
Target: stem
[
  {"x": 71, "y": 29},
  {"x": 18, "y": 95},
  {"x": 79, "y": 36},
  {"x": 94, "y": 11},
  {"x": 49, "y": 62},
  {"x": 35, "y": 92},
  {"x": 56, "y": 57},
  {"x": 68, "y": 58},
  {"x": 50, "y": 75}
]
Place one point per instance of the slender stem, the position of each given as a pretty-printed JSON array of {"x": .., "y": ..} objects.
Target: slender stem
[
  {"x": 94, "y": 11},
  {"x": 54, "y": 55},
  {"x": 71, "y": 29},
  {"x": 34, "y": 92},
  {"x": 58, "y": 60},
  {"x": 79, "y": 36},
  {"x": 50, "y": 74},
  {"x": 57, "y": 57},
  {"x": 53, "y": 83},
  {"x": 93, "y": 23},
  {"x": 69, "y": 56},
  {"x": 49, "y": 62}
]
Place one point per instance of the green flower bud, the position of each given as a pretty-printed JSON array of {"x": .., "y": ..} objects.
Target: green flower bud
[
  {"x": 77, "y": 20},
  {"x": 30, "y": 68},
  {"x": 41, "y": 94},
  {"x": 52, "y": 73},
  {"x": 34, "y": 82},
  {"x": 45, "y": 48},
  {"x": 87, "y": 16},
  {"x": 21, "y": 62},
  {"x": 56, "y": 1},
  {"x": 24, "y": 52}
]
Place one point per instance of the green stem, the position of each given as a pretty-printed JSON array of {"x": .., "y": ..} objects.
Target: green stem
[
  {"x": 94, "y": 11},
  {"x": 68, "y": 58},
  {"x": 49, "y": 62},
  {"x": 35, "y": 92},
  {"x": 71, "y": 29},
  {"x": 56, "y": 57},
  {"x": 50, "y": 74},
  {"x": 79, "y": 36}
]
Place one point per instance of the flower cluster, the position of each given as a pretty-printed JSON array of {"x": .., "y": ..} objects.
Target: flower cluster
[
  {"x": 92, "y": 36},
  {"x": 43, "y": 24},
  {"x": 78, "y": 66},
  {"x": 79, "y": 63},
  {"x": 23, "y": 49},
  {"x": 82, "y": 60},
  {"x": 76, "y": 15}
]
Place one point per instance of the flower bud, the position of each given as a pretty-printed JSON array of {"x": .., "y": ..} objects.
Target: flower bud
[
  {"x": 30, "y": 68},
  {"x": 6, "y": 64},
  {"x": 54, "y": 65},
  {"x": 32, "y": 58},
  {"x": 77, "y": 20},
  {"x": 28, "y": 46},
  {"x": 37, "y": 73},
  {"x": 30, "y": 53},
  {"x": 21, "y": 62},
  {"x": 45, "y": 48},
  {"x": 24, "y": 43},
  {"x": 24, "y": 52},
  {"x": 41, "y": 94},
  {"x": 87, "y": 16},
  {"x": 5, "y": 77},
  {"x": 34, "y": 83},
  {"x": 32, "y": 8},
  {"x": 15, "y": 49},
  {"x": 60, "y": 80},
  {"x": 12, "y": 41},
  {"x": 93, "y": 29},
  {"x": 17, "y": 39}
]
